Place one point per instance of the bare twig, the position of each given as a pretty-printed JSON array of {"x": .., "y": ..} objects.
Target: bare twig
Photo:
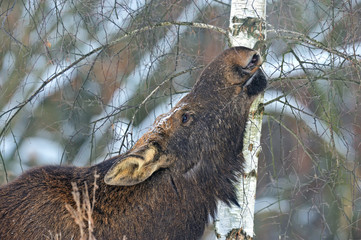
[
  {"x": 299, "y": 37},
  {"x": 18, "y": 107},
  {"x": 153, "y": 92},
  {"x": 84, "y": 209}
]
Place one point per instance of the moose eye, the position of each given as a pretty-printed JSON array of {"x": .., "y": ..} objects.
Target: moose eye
[{"x": 185, "y": 117}]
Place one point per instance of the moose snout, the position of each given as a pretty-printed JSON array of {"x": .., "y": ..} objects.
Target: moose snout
[{"x": 242, "y": 65}]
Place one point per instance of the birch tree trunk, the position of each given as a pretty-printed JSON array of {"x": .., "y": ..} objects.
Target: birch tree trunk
[{"x": 247, "y": 29}]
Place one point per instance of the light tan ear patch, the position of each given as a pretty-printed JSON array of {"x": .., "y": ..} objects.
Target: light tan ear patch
[{"x": 135, "y": 168}]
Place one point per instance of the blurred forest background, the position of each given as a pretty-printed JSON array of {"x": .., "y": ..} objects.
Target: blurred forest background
[{"x": 81, "y": 80}]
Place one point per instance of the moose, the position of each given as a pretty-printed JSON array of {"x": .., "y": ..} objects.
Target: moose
[{"x": 168, "y": 184}]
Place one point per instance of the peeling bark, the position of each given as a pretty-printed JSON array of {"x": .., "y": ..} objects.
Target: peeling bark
[{"x": 247, "y": 25}]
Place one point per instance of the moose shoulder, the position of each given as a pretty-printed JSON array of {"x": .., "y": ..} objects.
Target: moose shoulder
[{"x": 168, "y": 184}]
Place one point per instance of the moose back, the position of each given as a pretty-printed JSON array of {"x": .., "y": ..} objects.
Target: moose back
[{"x": 168, "y": 184}]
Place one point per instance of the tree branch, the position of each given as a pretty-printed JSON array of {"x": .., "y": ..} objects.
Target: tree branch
[{"x": 18, "y": 107}]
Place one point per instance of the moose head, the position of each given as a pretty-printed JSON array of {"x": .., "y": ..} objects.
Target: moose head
[{"x": 168, "y": 184}]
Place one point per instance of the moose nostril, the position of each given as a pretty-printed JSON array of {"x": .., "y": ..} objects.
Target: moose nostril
[
  {"x": 255, "y": 58},
  {"x": 254, "y": 61}
]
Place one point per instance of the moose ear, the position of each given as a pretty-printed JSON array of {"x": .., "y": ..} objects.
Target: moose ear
[{"x": 136, "y": 168}]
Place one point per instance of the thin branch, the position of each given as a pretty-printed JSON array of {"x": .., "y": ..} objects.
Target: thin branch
[
  {"x": 5, "y": 171},
  {"x": 152, "y": 93},
  {"x": 299, "y": 37},
  {"x": 18, "y": 107}
]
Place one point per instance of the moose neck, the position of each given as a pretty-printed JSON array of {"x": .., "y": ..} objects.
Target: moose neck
[
  {"x": 171, "y": 196},
  {"x": 214, "y": 174}
]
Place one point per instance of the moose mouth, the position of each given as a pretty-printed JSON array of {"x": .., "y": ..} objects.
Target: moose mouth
[
  {"x": 251, "y": 79},
  {"x": 256, "y": 83}
]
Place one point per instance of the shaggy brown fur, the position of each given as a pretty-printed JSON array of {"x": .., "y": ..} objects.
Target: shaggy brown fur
[{"x": 168, "y": 184}]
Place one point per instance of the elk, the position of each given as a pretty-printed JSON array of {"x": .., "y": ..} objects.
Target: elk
[{"x": 168, "y": 184}]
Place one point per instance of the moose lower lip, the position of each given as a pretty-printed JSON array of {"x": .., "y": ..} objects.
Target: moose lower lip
[{"x": 249, "y": 81}]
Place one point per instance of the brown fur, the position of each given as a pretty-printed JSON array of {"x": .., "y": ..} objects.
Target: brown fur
[{"x": 168, "y": 184}]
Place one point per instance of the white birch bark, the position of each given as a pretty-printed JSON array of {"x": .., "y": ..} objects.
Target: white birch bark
[{"x": 246, "y": 30}]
